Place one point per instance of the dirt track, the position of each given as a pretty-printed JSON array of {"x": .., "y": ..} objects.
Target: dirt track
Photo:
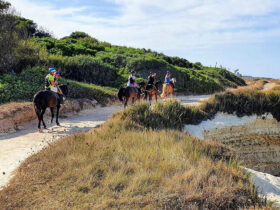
[{"x": 16, "y": 147}]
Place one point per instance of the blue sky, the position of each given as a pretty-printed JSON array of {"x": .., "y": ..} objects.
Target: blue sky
[{"x": 236, "y": 34}]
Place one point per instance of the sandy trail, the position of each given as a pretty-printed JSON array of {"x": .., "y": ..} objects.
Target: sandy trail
[{"x": 16, "y": 147}]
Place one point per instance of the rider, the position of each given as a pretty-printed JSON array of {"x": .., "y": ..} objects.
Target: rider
[
  {"x": 132, "y": 81},
  {"x": 151, "y": 80},
  {"x": 168, "y": 78},
  {"x": 51, "y": 82},
  {"x": 50, "y": 79}
]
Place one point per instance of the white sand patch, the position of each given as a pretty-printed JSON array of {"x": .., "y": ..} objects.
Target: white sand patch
[
  {"x": 268, "y": 185},
  {"x": 221, "y": 120},
  {"x": 192, "y": 100}
]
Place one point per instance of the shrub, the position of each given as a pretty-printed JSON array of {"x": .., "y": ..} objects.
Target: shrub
[
  {"x": 85, "y": 69},
  {"x": 23, "y": 86}
]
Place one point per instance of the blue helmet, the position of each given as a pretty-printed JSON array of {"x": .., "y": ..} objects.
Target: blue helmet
[
  {"x": 51, "y": 70},
  {"x": 168, "y": 72}
]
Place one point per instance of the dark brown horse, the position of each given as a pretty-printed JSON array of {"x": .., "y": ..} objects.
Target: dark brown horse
[
  {"x": 132, "y": 93},
  {"x": 152, "y": 90},
  {"x": 44, "y": 99}
]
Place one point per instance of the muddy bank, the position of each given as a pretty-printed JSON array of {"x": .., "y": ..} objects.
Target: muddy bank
[
  {"x": 14, "y": 115},
  {"x": 256, "y": 140}
]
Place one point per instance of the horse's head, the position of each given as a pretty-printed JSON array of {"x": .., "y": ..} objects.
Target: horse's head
[
  {"x": 173, "y": 80},
  {"x": 64, "y": 89},
  {"x": 158, "y": 84}
]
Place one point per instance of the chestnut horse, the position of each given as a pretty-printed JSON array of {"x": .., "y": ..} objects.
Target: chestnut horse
[
  {"x": 152, "y": 90},
  {"x": 168, "y": 89},
  {"x": 125, "y": 94}
]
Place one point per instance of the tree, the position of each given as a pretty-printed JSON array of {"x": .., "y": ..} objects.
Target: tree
[
  {"x": 79, "y": 34},
  {"x": 8, "y": 37}
]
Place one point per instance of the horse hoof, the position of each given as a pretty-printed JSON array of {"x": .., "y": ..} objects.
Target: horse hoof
[
  {"x": 40, "y": 131},
  {"x": 57, "y": 124}
]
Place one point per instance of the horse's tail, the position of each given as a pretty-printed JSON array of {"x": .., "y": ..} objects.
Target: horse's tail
[
  {"x": 121, "y": 94},
  {"x": 36, "y": 104}
]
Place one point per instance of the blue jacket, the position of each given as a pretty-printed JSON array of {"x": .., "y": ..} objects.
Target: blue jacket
[{"x": 167, "y": 80}]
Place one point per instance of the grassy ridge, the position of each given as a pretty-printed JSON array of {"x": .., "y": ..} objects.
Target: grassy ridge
[{"x": 125, "y": 165}]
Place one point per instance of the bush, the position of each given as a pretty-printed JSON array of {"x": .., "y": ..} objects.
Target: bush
[
  {"x": 169, "y": 115},
  {"x": 85, "y": 69},
  {"x": 23, "y": 86}
]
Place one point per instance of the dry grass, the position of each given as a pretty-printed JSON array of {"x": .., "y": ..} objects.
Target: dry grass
[
  {"x": 252, "y": 85},
  {"x": 124, "y": 165}
]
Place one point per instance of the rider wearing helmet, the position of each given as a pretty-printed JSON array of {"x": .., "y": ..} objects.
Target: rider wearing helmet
[
  {"x": 168, "y": 78},
  {"x": 50, "y": 79}
]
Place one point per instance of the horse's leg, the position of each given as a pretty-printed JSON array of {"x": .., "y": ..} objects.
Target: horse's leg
[
  {"x": 146, "y": 95},
  {"x": 57, "y": 113},
  {"x": 171, "y": 93},
  {"x": 150, "y": 98},
  {"x": 42, "y": 117},
  {"x": 125, "y": 102},
  {"x": 156, "y": 96},
  {"x": 38, "y": 113},
  {"x": 52, "y": 114},
  {"x": 132, "y": 100}
]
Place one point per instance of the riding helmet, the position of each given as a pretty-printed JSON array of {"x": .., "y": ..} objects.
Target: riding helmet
[{"x": 51, "y": 70}]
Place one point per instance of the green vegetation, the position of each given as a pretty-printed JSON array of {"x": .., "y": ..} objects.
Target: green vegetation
[
  {"x": 124, "y": 165},
  {"x": 82, "y": 58},
  {"x": 23, "y": 86}
]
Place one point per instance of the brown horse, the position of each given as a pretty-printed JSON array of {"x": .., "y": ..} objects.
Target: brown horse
[
  {"x": 168, "y": 89},
  {"x": 132, "y": 93},
  {"x": 44, "y": 99},
  {"x": 152, "y": 90}
]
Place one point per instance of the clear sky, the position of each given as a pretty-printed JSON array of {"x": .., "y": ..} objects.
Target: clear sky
[{"x": 237, "y": 34}]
